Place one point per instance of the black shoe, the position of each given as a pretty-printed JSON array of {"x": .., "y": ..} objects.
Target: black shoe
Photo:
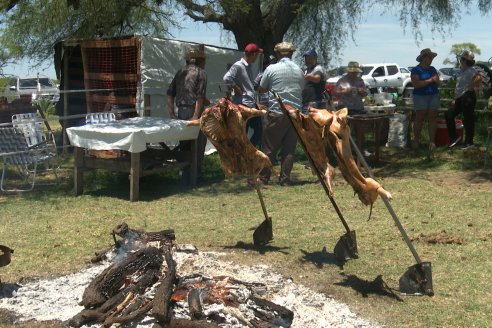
[
  {"x": 286, "y": 183},
  {"x": 455, "y": 142}
]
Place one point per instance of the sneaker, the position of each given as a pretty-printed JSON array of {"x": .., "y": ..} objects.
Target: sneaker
[
  {"x": 467, "y": 146},
  {"x": 455, "y": 142}
]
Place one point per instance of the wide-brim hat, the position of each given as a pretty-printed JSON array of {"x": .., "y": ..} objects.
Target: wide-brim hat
[
  {"x": 284, "y": 48},
  {"x": 468, "y": 55},
  {"x": 196, "y": 53},
  {"x": 425, "y": 52},
  {"x": 353, "y": 67}
]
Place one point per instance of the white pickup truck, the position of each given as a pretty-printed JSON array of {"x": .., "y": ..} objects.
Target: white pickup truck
[{"x": 381, "y": 75}]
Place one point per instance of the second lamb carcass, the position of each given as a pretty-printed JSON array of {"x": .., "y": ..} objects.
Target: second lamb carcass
[
  {"x": 225, "y": 126},
  {"x": 339, "y": 138},
  {"x": 311, "y": 134}
]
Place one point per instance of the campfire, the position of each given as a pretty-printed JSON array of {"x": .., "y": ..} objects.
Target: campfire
[{"x": 148, "y": 280}]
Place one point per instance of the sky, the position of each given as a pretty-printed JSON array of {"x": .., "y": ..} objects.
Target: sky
[{"x": 379, "y": 38}]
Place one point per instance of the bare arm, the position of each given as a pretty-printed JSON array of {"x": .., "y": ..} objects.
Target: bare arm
[{"x": 170, "y": 107}]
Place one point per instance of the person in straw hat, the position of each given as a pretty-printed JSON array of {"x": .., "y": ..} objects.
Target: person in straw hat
[
  {"x": 351, "y": 89},
  {"x": 464, "y": 101},
  {"x": 426, "y": 101},
  {"x": 286, "y": 79}
]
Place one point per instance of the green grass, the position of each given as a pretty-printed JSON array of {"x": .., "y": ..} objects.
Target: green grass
[{"x": 55, "y": 233}]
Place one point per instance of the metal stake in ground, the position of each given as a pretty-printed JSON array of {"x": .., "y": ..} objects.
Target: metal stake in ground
[
  {"x": 418, "y": 278},
  {"x": 346, "y": 247},
  {"x": 264, "y": 233}
]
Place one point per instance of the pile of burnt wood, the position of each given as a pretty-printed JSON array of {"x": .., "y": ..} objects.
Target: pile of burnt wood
[{"x": 145, "y": 283}]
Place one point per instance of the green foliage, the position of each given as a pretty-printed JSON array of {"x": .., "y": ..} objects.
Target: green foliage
[
  {"x": 46, "y": 106},
  {"x": 457, "y": 49},
  {"x": 32, "y": 28}
]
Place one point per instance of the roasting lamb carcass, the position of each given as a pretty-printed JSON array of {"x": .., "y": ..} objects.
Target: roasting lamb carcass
[
  {"x": 339, "y": 138},
  {"x": 311, "y": 132},
  {"x": 225, "y": 126}
]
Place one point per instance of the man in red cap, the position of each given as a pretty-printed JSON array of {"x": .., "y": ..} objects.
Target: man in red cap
[{"x": 240, "y": 80}]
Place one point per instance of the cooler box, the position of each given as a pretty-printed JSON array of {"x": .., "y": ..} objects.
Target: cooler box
[{"x": 442, "y": 137}]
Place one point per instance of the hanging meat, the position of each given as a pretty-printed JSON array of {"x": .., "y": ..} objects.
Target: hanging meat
[
  {"x": 338, "y": 135},
  {"x": 225, "y": 126},
  {"x": 311, "y": 132}
]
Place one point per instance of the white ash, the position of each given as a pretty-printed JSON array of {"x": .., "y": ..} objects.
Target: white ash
[{"x": 57, "y": 299}]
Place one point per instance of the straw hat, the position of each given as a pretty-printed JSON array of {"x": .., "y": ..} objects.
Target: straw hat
[
  {"x": 354, "y": 67},
  {"x": 284, "y": 48},
  {"x": 425, "y": 52},
  {"x": 468, "y": 55}
]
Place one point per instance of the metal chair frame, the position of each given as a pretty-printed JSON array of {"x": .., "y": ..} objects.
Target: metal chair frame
[
  {"x": 32, "y": 126},
  {"x": 26, "y": 160}
]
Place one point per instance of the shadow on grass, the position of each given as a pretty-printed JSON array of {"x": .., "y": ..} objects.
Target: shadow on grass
[
  {"x": 260, "y": 249},
  {"x": 320, "y": 258},
  {"x": 364, "y": 287}
]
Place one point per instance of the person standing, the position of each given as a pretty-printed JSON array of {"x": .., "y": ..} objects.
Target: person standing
[
  {"x": 287, "y": 80},
  {"x": 240, "y": 79},
  {"x": 188, "y": 92},
  {"x": 351, "y": 89},
  {"x": 464, "y": 101},
  {"x": 426, "y": 101},
  {"x": 313, "y": 92}
]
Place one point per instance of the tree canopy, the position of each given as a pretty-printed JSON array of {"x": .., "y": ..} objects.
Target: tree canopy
[
  {"x": 457, "y": 49},
  {"x": 323, "y": 24}
]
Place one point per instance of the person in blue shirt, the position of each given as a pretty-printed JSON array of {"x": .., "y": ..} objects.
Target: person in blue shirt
[
  {"x": 426, "y": 101},
  {"x": 286, "y": 79}
]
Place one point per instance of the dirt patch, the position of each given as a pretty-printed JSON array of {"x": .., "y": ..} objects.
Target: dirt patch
[
  {"x": 439, "y": 238},
  {"x": 476, "y": 179}
]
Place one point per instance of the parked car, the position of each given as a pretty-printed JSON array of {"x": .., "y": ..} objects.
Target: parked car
[
  {"x": 450, "y": 71},
  {"x": 378, "y": 76},
  {"x": 37, "y": 87}
]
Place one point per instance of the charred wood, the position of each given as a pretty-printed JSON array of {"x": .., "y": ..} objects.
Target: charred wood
[
  {"x": 162, "y": 300},
  {"x": 112, "y": 279}
]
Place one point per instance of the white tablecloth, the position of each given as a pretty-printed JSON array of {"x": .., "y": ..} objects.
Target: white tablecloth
[
  {"x": 386, "y": 108},
  {"x": 132, "y": 134}
]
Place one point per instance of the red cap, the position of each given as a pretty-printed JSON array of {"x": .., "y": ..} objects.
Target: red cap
[{"x": 251, "y": 47}]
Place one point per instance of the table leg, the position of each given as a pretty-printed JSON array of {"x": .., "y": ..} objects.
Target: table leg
[
  {"x": 359, "y": 132},
  {"x": 78, "y": 174},
  {"x": 193, "y": 161},
  {"x": 134, "y": 176},
  {"x": 377, "y": 138}
]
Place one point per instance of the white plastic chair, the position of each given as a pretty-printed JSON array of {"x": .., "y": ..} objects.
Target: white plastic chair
[{"x": 26, "y": 160}]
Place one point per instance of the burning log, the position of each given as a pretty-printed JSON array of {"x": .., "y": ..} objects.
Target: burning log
[
  {"x": 136, "y": 273},
  {"x": 132, "y": 238}
]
